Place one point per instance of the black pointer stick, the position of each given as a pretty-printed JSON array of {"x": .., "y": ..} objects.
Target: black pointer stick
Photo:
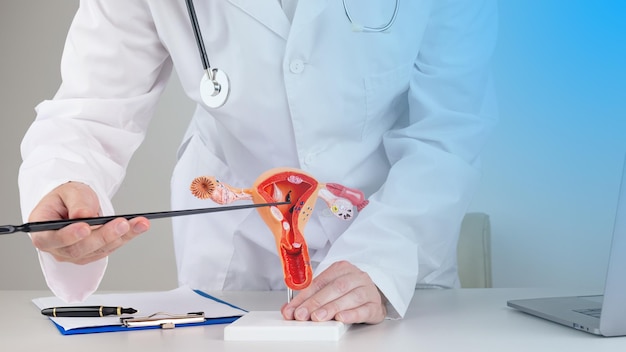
[{"x": 58, "y": 224}]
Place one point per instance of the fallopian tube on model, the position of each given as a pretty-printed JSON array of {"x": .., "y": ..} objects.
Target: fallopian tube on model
[{"x": 286, "y": 221}]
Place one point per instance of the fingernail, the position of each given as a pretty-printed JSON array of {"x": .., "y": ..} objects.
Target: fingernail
[
  {"x": 320, "y": 314},
  {"x": 122, "y": 228},
  {"x": 140, "y": 228},
  {"x": 289, "y": 313},
  {"x": 302, "y": 314}
]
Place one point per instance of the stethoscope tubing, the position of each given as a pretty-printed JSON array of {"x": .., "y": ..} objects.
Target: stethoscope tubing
[
  {"x": 215, "y": 85},
  {"x": 373, "y": 29},
  {"x": 198, "y": 34}
]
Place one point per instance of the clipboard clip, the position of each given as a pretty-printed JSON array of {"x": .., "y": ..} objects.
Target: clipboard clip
[{"x": 163, "y": 320}]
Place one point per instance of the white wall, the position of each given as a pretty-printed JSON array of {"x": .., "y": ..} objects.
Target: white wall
[{"x": 551, "y": 170}]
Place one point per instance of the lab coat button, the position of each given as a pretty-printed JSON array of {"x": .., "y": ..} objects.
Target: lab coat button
[
  {"x": 296, "y": 66},
  {"x": 309, "y": 159}
]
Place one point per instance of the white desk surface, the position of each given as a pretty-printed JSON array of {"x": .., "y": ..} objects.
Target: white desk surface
[{"x": 437, "y": 320}]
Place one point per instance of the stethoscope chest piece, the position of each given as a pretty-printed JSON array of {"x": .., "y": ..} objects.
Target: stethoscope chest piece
[{"x": 214, "y": 90}]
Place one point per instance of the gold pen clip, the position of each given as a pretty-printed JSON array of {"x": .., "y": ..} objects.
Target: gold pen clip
[{"x": 164, "y": 320}]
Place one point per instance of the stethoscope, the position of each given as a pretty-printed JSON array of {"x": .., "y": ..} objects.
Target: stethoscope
[
  {"x": 215, "y": 85},
  {"x": 360, "y": 28}
]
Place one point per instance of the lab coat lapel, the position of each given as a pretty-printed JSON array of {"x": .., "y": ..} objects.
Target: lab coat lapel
[
  {"x": 268, "y": 12},
  {"x": 308, "y": 10}
]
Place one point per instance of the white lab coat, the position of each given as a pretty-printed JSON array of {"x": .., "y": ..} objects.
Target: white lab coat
[{"x": 400, "y": 115}]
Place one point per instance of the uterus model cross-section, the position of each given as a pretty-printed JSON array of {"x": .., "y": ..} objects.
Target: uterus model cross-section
[{"x": 286, "y": 221}]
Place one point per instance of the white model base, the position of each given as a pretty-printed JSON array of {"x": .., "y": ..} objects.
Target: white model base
[{"x": 271, "y": 326}]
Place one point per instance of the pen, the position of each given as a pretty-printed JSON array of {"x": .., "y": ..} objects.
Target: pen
[{"x": 86, "y": 311}]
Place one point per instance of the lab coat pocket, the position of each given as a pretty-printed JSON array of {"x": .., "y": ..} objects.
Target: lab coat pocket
[{"x": 386, "y": 99}]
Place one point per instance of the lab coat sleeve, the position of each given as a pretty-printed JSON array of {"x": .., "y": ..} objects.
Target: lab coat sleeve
[
  {"x": 113, "y": 70},
  {"x": 408, "y": 233}
]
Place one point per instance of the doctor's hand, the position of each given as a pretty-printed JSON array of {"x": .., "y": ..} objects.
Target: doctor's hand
[
  {"x": 343, "y": 293},
  {"x": 80, "y": 243}
]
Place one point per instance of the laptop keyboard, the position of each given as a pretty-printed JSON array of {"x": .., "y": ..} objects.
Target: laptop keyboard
[{"x": 593, "y": 312}]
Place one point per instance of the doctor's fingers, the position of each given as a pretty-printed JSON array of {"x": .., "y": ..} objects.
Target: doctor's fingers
[
  {"x": 137, "y": 226},
  {"x": 336, "y": 270},
  {"x": 102, "y": 241},
  {"x": 305, "y": 299},
  {"x": 80, "y": 244},
  {"x": 51, "y": 240},
  {"x": 372, "y": 312},
  {"x": 329, "y": 276},
  {"x": 69, "y": 200},
  {"x": 342, "y": 292},
  {"x": 348, "y": 299}
]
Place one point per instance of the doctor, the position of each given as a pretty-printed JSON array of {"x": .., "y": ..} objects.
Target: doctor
[{"x": 401, "y": 114}]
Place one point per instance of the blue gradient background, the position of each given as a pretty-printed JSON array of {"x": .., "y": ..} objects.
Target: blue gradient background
[{"x": 552, "y": 168}]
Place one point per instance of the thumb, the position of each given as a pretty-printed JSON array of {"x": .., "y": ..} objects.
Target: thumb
[{"x": 79, "y": 200}]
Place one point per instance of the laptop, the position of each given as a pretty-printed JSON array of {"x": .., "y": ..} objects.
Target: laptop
[{"x": 603, "y": 315}]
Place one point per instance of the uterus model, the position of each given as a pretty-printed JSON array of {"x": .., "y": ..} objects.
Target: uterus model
[{"x": 286, "y": 221}]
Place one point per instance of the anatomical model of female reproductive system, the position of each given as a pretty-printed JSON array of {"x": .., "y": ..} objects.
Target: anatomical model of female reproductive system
[{"x": 286, "y": 221}]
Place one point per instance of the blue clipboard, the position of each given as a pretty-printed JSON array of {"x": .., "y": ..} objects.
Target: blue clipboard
[{"x": 121, "y": 327}]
